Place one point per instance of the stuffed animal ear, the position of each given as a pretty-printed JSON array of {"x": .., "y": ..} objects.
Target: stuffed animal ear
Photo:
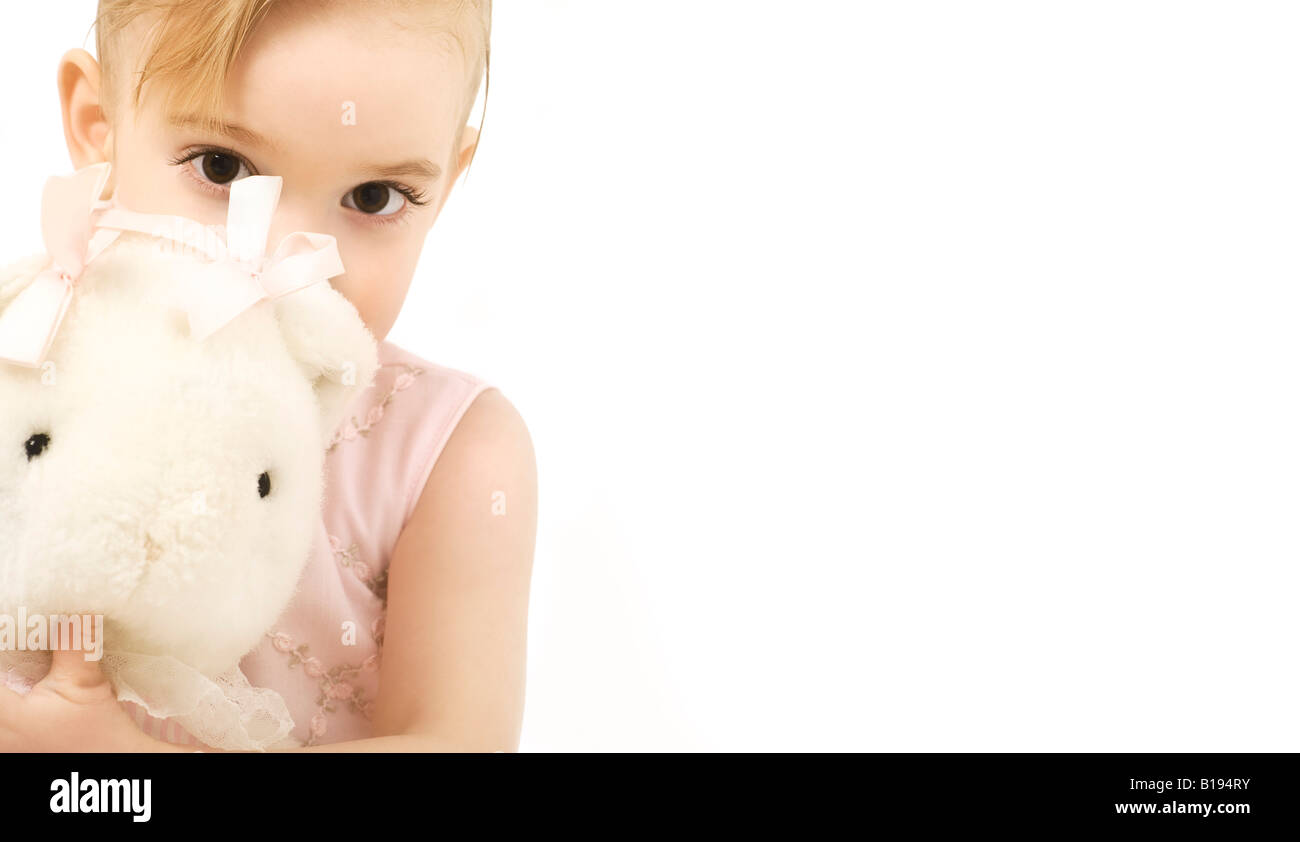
[
  {"x": 16, "y": 277},
  {"x": 336, "y": 351}
]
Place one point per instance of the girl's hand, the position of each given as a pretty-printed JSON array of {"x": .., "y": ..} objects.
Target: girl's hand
[{"x": 72, "y": 709}]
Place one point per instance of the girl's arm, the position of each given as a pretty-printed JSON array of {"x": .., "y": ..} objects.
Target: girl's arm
[{"x": 453, "y": 659}]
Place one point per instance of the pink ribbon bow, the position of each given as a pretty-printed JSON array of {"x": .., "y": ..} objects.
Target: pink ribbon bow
[
  {"x": 29, "y": 323},
  {"x": 238, "y": 275}
]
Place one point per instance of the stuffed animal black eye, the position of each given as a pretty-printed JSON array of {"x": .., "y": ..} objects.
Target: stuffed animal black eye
[
  {"x": 263, "y": 484},
  {"x": 36, "y": 445}
]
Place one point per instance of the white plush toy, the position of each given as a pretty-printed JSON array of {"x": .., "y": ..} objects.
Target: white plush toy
[{"x": 166, "y": 393}]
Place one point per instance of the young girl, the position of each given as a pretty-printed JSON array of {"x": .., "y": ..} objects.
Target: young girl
[{"x": 426, "y": 541}]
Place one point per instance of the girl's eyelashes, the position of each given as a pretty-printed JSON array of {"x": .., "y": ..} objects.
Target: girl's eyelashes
[
  {"x": 382, "y": 198},
  {"x": 213, "y": 166}
]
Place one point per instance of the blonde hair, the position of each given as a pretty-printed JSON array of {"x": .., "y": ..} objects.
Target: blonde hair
[{"x": 194, "y": 43}]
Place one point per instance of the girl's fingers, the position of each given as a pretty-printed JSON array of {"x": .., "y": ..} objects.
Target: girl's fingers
[{"x": 72, "y": 668}]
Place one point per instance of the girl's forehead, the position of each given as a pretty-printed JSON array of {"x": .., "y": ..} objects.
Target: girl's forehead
[
  {"x": 299, "y": 76},
  {"x": 401, "y": 96},
  {"x": 313, "y": 64}
]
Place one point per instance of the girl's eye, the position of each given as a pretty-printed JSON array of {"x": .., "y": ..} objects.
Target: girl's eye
[
  {"x": 219, "y": 168},
  {"x": 376, "y": 199}
]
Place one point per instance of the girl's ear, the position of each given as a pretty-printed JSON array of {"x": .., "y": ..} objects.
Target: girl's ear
[
  {"x": 335, "y": 350},
  {"x": 468, "y": 145},
  {"x": 85, "y": 128}
]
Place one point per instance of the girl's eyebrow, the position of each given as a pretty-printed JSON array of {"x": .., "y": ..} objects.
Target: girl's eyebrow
[
  {"x": 421, "y": 168},
  {"x": 230, "y": 130}
]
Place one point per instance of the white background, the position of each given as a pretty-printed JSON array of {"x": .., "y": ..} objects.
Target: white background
[{"x": 903, "y": 376}]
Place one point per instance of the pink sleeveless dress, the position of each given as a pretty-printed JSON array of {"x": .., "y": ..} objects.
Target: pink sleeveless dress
[{"x": 323, "y": 654}]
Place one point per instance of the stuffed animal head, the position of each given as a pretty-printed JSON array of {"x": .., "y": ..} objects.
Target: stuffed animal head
[{"x": 170, "y": 483}]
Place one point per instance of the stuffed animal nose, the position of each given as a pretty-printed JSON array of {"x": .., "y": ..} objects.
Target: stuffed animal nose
[{"x": 152, "y": 550}]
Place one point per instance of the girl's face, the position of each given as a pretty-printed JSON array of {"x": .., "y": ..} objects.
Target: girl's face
[{"x": 358, "y": 113}]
